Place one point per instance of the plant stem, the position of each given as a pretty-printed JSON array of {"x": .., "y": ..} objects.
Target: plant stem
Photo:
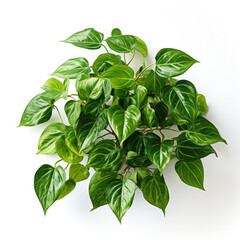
[
  {"x": 175, "y": 130},
  {"x": 105, "y": 48},
  {"x": 58, "y": 113},
  {"x": 124, "y": 56},
  {"x": 144, "y": 71},
  {"x": 117, "y": 141},
  {"x": 132, "y": 57},
  {"x": 126, "y": 172},
  {"x": 66, "y": 166},
  {"x": 57, "y": 162}
]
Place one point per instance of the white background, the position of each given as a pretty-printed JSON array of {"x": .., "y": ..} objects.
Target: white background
[{"x": 30, "y": 50}]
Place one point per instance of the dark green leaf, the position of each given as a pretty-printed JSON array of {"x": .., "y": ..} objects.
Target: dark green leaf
[
  {"x": 203, "y": 133},
  {"x": 122, "y": 43},
  {"x": 181, "y": 99},
  {"x": 78, "y": 172},
  {"x": 155, "y": 190},
  {"x": 191, "y": 173},
  {"x": 141, "y": 47},
  {"x": 140, "y": 93},
  {"x": 72, "y": 68},
  {"x": 46, "y": 143},
  {"x": 73, "y": 110},
  {"x": 105, "y": 156},
  {"x": 38, "y": 110},
  {"x": 172, "y": 62},
  {"x": 97, "y": 188},
  {"x": 202, "y": 104},
  {"x": 119, "y": 195},
  {"x": 161, "y": 112},
  {"x": 123, "y": 122},
  {"x": 66, "y": 84},
  {"x": 48, "y": 184},
  {"x": 88, "y": 38},
  {"x": 116, "y": 32},
  {"x": 188, "y": 151},
  {"x": 53, "y": 84},
  {"x": 68, "y": 187},
  {"x": 94, "y": 107},
  {"x": 136, "y": 160}
]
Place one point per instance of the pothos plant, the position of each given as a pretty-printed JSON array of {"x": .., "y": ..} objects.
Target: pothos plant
[{"x": 119, "y": 120}]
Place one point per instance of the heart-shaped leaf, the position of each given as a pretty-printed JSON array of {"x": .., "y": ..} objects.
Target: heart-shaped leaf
[
  {"x": 140, "y": 93},
  {"x": 191, "y": 173},
  {"x": 48, "y": 184},
  {"x": 78, "y": 172},
  {"x": 141, "y": 47},
  {"x": 148, "y": 116},
  {"x": 172, "y": 62},
  {"x": 73, "y": 110},
  {"x": 68, "y": 187},
  {"x": 53, "y": 84},
  {"x": 123, "y": 122}
]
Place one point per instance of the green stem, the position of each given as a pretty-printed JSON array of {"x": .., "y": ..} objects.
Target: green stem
[
  {"x": 57, "y": 162},
  {"x": 144, "y": 71},
  {"x": 124, "y": 56},
  {"x": 126, "y": 172},
  {"x": 132, "y": 57},
  {"x": 58, "y": 113},
  {"x": 66, "y": 166},
  {"x": 175, "y": 130},
  {"x": 105, "y": 48}
]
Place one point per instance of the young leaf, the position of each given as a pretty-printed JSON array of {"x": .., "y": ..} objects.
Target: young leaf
[
  {"x": 148, "y": 116},
  {"x": 141, "y": 47},
  {"x": 88, "y": 38},
  {"x": 141, "y": 93},
  {"x": 191, "y": 173},
  {"x": 66, "y": 84},
  {"x": 105, "y": 156},
  {"x": 202, "y": 104},
  {"x": 68, "y": 187},
  {"x": 123, "y": 122},
  {"x": 48, "y": 184},
  {"x": 73, "y": 110},
  {"x": 203, "y": 133},
  {"x": 188, "y": 151},
  {"x": 172, "y": 62},
  {"x": 46, "y": 143},
  {"x": 116, "y": 32},
  {"x": 122, "y": 43},
  {"x": 72, "y": 68},
  {"x": 97, "y": 187},
  {"x": 181, "y": 99},
  {"x": 38, "y": 110},
  {"x": 53, "y": 84},
  {"x": 119, "y": 195},
  {"x": 155, "y": 190},
  {"x": 78, "y": 172}
]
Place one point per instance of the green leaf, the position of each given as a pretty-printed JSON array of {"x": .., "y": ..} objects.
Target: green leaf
[
  {"x": 78, "y": 172},
  {"x": 73, "y": 110},
  {"x": 105, "y": 156},
  {"x": 148, "y": 116},
  {"x": 191, "y": 173},
  {"x": 122, "y": 43},
  {"x": 38, "y": 110},
  {"x": 116, "y": 32},
  {"x": 181, "y": 99},
  {"x": 88, "y": 130},
  {"x": 107, "y": 89},
  {"x": 202, "y": 104},
  {"x": 88, "y": 38},
  {"x": 141, "y": 47},
  {"x": 152, "y": 82},
  {"x": 203, "y": 133},
  {"x": 68, "y": 187},
  {"x": 46, "y": 143},
  {"x": 94, "y": 107},
  {"x": 140, "y": 93},
  {"x": 136, "y": 160},
  {"x": 161, "y": 112},
  {"x": 53, "y": 84},
  {"x": 172, "y": 62},
  {"x": 155, "y": 190},
  {"x": 105, "y": 61},
  {"x": 65, "y": 153},
  {"x": 48, "y": 184},
  {"x": 72, "y": 68},
  {"x": 119, "y": 195},
  {"x": 188, "y": 151},
  {"x": 66, "y": 84},
  {"x": 120, "y": 76},
  {"x": 123, "y": 122},
  {"x": 97, "y": 188}
]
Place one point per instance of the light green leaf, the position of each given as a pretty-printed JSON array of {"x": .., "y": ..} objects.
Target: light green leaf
[
  {"x": 191, "y": 173},
  {"x": 172, "y": 62},
  {"x": 141, "y": 47},
  {"x": 148, "y": 116},
  {"x": 38, "y": 110},
  {"x": 53, "y": 84},
  {"x": 97, "y": 187},
  {"x": 66, "y": 84},
  {"x": 78, "y": 172},
  {"x": 140, "y": 93},
  {"x": 88, "y": 38},
  {"x": 68, "y": 187},
  {"x": 122, "y": 43},
  {"x": 72, "y": 68},
  {"x": 181, "y": 99},
  {"x": 155, "y": 190},
  {"x": 46, "y": 143},
  {"x": 73, "y": 110},
  {"x": 105, "y": 156},
  {"x": 123, "y": 122},
  {"x": 202, "y": 104},
  {"x": 119, "y": 195},
  {"x": 48, "y": 184},
  {"x": 203, "y": 133},
  {"x": 107, "y": 89},
  {"x": 120, "y": 76}
]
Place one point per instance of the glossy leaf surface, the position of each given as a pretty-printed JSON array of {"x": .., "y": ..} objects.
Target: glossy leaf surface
[
  {"x": 53, "y": 84},
  {"x": 73, "y": 110},
  {"x": 141, "y": 47},
  {"x": 78, "y": 172},
  {"x": 68, "y": 187}
]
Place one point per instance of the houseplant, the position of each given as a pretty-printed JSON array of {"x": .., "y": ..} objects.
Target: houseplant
[{"x": 119, "y": 119}]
